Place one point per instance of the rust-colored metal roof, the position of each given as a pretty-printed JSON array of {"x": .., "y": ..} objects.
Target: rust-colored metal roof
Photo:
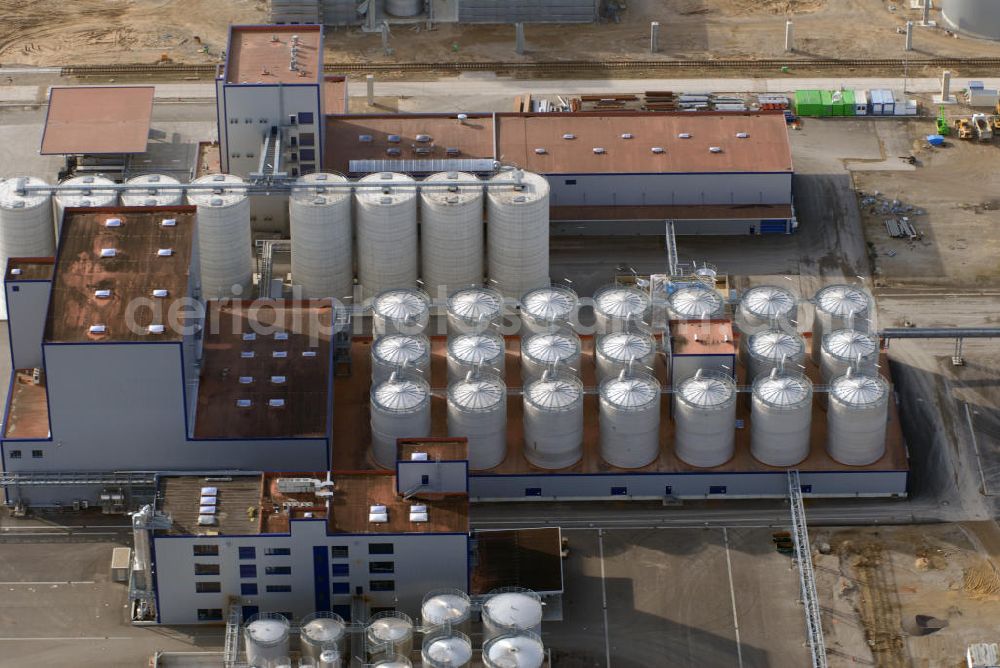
[
  {"x": 335, "y": 94},
  {"x": 697, "y": 337},
  {"x": 29, "y": 268},
  {"x": 27, "y": 407},
  {"x": 356, "y": 492},
  {"x": 97, "y": 119},
  {"x": 290, "y": 363},
  {"x": 529, "y": 558},
  {"x": 134, "y": 271},
  {"x": 262, "y": 54},
  {"x": 180, "y": 497},
  {"x": 436, "y": 449}
]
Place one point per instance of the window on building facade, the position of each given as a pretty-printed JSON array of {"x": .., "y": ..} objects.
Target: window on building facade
[
  {"x": 277, "y": 570},
  {"x": 278, "y": 551},
  {"x": 248, "y": 571},
  {"x": 341, "y": 587},
  {"x": 341, "y": 570},
  {"x": 307, "y": 154},
  {"x": 381, "y": 548},
  {"x": 382, "y": 585},
  {"x": 15, "y": 454},
  {"x": 305, "y": 118},
  {"x": 382, "y": 567},
  {"x": 248, "y": 552},
  {"x": 307, "y": 139},
  {"x": 209, "y": 614},
  {"x": 206, "y": 550},
  {"x": 208, "y": 587},
  {"x": 248, "y": 589},
  {"x": 278, "y": 589},
  {"x": 36, "y": 454},
  {"x": 339, "y": 551},
  {"x": 206, "y": 569}
]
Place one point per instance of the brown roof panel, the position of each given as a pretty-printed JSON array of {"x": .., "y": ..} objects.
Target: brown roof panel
[
  {"x": 27, "y": 407},
  {"x": 262, "y": 54},
  {"x": 529, "y": 558},
  {"x": 335, "y": 94},
  {"x": 30, "y": 268},
  {"x": 356, "y": 492},
  {"x": 97, "y": 119},
  {"x": 180, "y": 498}
]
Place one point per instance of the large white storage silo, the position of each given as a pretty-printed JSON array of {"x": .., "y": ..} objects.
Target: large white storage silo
[
  {"x": 389, "y": 634},
  {"x": 321, "y": 632},
  {"x": 25, "y": 221},
  {"x": 386, "y": 228},
  {"x": 511, "y": 610},
  {"x": 838, "y": 307},
  {"x": 477, "y": 410},
  {"x": 766, "y": 349},
  {"x": 542, "y": 352},
  {"x": 764, "y": 307},
  {"x": 473, "y": 310},
  {"x": 705, "y": 419},
  {"x": 446, "y": 608},
  {"x": 266, "y": 638},
  {"x": 475, "y": 352},
  {"x": 396, "y": 661},
  {"x": 320, "y": 227},
  {"x": 843, "y": 348},
  {"x": 152, "y": 190},
  {"x": 451, "y": 233},
  {"x": 87, "y": 192},
  {"x": 856, "y": 418},
  {"x": 224, "y": 239},
  {"x": 548, "y": 309},
  {"x": 514, "y": 650},
  {"x": 781, "y": 417},
  {"x": 409, "y": 354},
  {"x": 400, "y": 408},
  {"x": 695, "y": 301},
  {"x": 618, "y": 351},
  {"x": 630, "y": 420},
  {"x": 400, "y": 311},
  {"x": 518, "y": 232},
  {"x": 620, "y": 308},
  {"x": 446, "y": 649},
  {"x": 553, "y": 421}
]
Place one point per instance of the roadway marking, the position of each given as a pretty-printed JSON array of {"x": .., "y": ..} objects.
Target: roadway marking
[
  {"x": 732, "y": 598},
  {"x": 975, "y": 445},
  {"x": 604, "y": 597},
  {"x": 62, "y": 582}
]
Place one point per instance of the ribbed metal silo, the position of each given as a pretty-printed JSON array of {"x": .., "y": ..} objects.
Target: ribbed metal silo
[
  {"x": 266, "y": 637},
  {"x": 518, "y": 232},
  {"x": 87, "y": 192},
  {"x": 511, "y": 610},
  {"x": 514, "y": 650},
  {"x": 400, "y": 311},
  {"x": 695, "y": 302},
  {"x": 620, "y": 308},
  {"x": 767, "y": 348},
  {"x": 975, "y": 17},
  {"x": 320, "y": 227},
  {"x": 406, "y": 353},
  {"x": 476, "y": 352},
  {"x": 321, "y": 632},
  {"x": 781, "y": 418},
  {"x": 548, "y": 309},
  {"x": 705, "y": 419},
  {"x": 449, "y": 608},
  {"x": 26, "y": 228},
  {"x": 446, "y": 649},
  {"x": 400, "y": 408},
  {"x": 477, "y": 410},
  {"x": 152, "y": 190},
  {"x": 473, "y": 310},
  {"x": 541, "y": 352},
  {"x": 386, "y": 228},
  {"x": 553, "y": 421},
  {"x": 224, "y": 238},
  {"x": 451, "y": 233},
  {"x": 838, "y": 307},
  {"x": 618, "y": 351},
  {"x": 857, "y": 414},
  {"x": 764, "y": 307},
  {"x": 844, "y": 348},
  {"x": 389, "y": 634},
  {"x": 630, "y": 420}
]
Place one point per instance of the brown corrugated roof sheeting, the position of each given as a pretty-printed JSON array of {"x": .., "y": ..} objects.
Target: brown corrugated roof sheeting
[
  {"x": 262, "y": 54},
  {"x": 529, "y": 558},
  {"x": 97, "y": 119}
]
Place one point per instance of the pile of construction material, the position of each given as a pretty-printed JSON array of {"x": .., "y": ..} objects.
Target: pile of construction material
[
  {"x": 659, "y": 100},
  {"x": 895, "y": 214}
]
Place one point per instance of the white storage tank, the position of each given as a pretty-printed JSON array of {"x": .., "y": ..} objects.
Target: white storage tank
[
  {"x": 386, "y": 229},
  {"x": 400, "y": 311},
  {"x": 87, "y": 192},
  {"x": 321, "y": 632},
  {"x": 548, "y": 309},
  {"x": 393, "y": 662},
  {"x": 695, "y": 301},
  {"x": 553, "y": 421},
  {"x": 843, "y": 348},
  {"x": 473, "y": 310},
  {"x": 477, "y": 410},
  {"x": 266, "y": 638},
  {"x": 838, "y": 307},
  {"x": 446, "y": 649},
  {"x": 705, "y": 419},
  {"x": 400, "y": 408},
  {"x": 476, "y": 352},
  {"x": 451, "y": 233},
  {"x": 409, "y": 354},
  {"x": 542, "y": 352},
  {"x": 856, "y": 418},
  {"x": 766, "y": 349},
  {"x": 511, "y": 610},
  {"x": 518, "y": 232},
  {"x": 615, "y": 352},
  {"x": 764, "y": 307},
  {"x": 446, "y": 607},
  {"x": 25, "y": 224},
  {"x": 152, "y": 190},
  {"x": 224, "y": 240},
  {"x": 514, "y": 650},
  {"x": 630, "y": 420},
  {"x": 320, "y": 227},
  {"x": 404, "y": 8},
  {"x": 389, "y": 634},
  {"x": 330, "y": 658},
  {"x": 781, "y": 418},
  {"x": 620, "y": 308}
]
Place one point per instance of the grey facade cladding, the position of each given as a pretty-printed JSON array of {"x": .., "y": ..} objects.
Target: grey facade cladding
[
  {"x": 669, "y": 189},
  {"x": 654, "y": 228},
  {"x": 27, "y": 305},
  {"x": 527, "y": 11}
]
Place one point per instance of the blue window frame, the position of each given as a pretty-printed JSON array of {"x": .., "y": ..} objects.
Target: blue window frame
[
  {"x": 717, "y": 489},
  {"x": 381, "y": 548},
  {"x": 209, "y": 614},
  {"x": 344, "y": 611},
  {"x": 307, "y": 139},
  {"x": 619, "y": 491},
  {"x": 382, "y": 585},
  {"x": 249, "y": 611},
  {"x": 248, "y": 570},
  {"x": 305, "y": 118},
  {"x": 339, "y": 552},
  {"x": 307, "y": 154},
  {"x": 341, "y": 588},
  {"x": 15, "y": 288},
  {"x": 571, "y": 182},
  {"x": 278, "y": 589},
  {"x": 248, "y": 589},
  {"x": 277, "y": 570},
  {"x": 668, "y": 490},
  {"x": 532, "y": 491},
  {"x": 341, "y": 570},
  {"x": 248, "y": 552},
  {"x": 806, "y": 489},
  {"x": 278, "y": 551}
]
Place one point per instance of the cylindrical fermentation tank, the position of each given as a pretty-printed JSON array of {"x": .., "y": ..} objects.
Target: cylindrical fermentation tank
[
  {"x": 781, "y": 418},
  {"x": 620, "y": 308},
  {"x": 547, "y": 310},
  {"x": 543, "y": 352},
  {"x": 446, "y": 649},
  {"x": 511, "y": 610},
  {"x": 320, "y": 228},
  {"x": 266, "y": 638},
  {"x": 766, "y": 349},
  {"x": 400, "y": 408},
  {"x": 630, "y": 420},
  {"x": 26, "y": 228},
  {"x": 321, "y": 632},
  {"x": 451, "y": 233},
  {"x": 404, "y": 8},
  {"x": 838, "y": 307},
  {"x": 400, "y": 311},
  {"x": 389, "y": 634},
  {"x": 474, "y": 310},
  {"x": 330, "y": 658},
  {"x": 477, "y": 410},
  {"x": 152, "y": 190},
  {"x": 553, "y": 421},
  {"x": 695, "y": 301},
  {"x": 980, "y": 18},
  {"x": 618, "y": 351},
  {"x": 86, "y": 193},
  {"x": 845, "y": 348},
  {"x": 765, "y": 307},
  {"x": 393, "y": 662},
  {"x": 386, "y": 229},
  {"x": 408, "y": 353},
  {"x": 518, "y": 232},
  {"x": 446, "y": 607},
  {"x": 856, "y": 418},
  {"x": 514, "y": 650},
  {"x": 224, "y": 239},
  {"x": 475, "y": 352},
  {"x": 705, "y": 419}
]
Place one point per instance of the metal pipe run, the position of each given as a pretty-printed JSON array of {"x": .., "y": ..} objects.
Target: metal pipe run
[
  {"x": 267, "y": 188},
  {"x": 940, "y": 333}
]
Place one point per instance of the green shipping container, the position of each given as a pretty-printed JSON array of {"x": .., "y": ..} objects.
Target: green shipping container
[
  {"x": 807, "y": 102},
  {"x": 850, "y": 102},
  {"x": 826, "y": 103}
]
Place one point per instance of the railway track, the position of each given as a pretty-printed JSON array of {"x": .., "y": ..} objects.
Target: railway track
[{"x": 565, "y": 65}]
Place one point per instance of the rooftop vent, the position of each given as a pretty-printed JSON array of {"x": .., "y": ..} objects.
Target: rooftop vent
[
  {"x": 108, "y": 252},
  {"x": 279, "y": 354},
  {"x": 218, "y": 177},
  {"x": 243, "y": 403},
  {"x": 684, "y": 135},
  {"x": 246, "y": 380},
  {"x": 742, "y": 135},
  {"x": 276, "y": 403},
  {"x": 206, "y": 520},
  {"x": 599, "y": 151},
  {"x": 423, "y": 139},
  {"x": 394, "y": 139},
  {"x": 98, "y": 329},
  {"x": 365, "y": 139},
  {"x": 206, "y": 510},
  {"x": 113, "y": 222},
  {"x": 209, "y": 491},
  {"x": 627, "y": 135},
  {"x": 168, "y": 222},
  {"x": 155, "y": 329},
  {"x": 393, "y": 151},
  {"x": 422, "y": 150},
  {"x": 418, "y": 513},
  {"x": 540, "y": 151},
  {"x": 569, "y": 135},
  {"x": 418, "y": 456},
  {"x": 281, "y": 336},
  {"x": 249, "y": 336},
  {"x": 657, "y": 149},
  {"x": 16, "y": 272},
  {"x": 247, "y": 354},
  {"x": 160, "y": 293},
  {"x": 102, "y": 294},
  {"x": 165, "y": 252},
  {"x": 309, "y": 353},
  {"x": 715, "y": 149},
  {"x": 378, "y": 514},
  {"x": 278, "y": 380},
  {"x": 453, "y": 150}
]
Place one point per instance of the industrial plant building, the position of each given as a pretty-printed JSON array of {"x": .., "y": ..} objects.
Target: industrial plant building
[{"x": 371, "y": 14}]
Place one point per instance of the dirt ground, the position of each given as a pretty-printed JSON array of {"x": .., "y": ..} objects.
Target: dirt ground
[
  {"x": 142, "y": 31},
  {"x": 907, "y": 596}
]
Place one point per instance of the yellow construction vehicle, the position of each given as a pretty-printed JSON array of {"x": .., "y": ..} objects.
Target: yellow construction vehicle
[
  {"x": 964, "y": 127},
  {"x": 984, "y": 130}
]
